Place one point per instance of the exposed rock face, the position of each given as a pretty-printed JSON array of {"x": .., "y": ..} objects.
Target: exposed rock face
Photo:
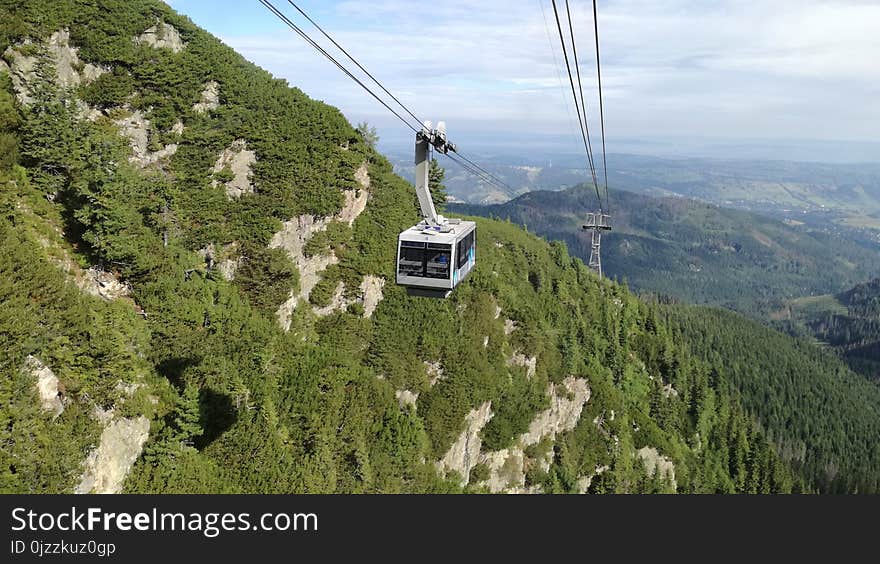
[
  {"x": 107, "y": 466},
  {"x": 464, "y": 453},
  {"x": 239, "y": 160},
  {"x": 86, "y": 112},
  {"x": 507, "y": 466},
  {"x": 63, "y": 58},
  {"x": 47, "y": 385},
  {"x": 355, "y": 204},
  {"x": 584, "y": 482},
  {"x": 103, "y": 284},
  {"x": 371, "y": 289},
  {"x": 655, "y": 462},
  {"x": 337, "y": 302},
  {"x": 356, "y": 200},
  {"x": 293, "y": 237},
  {"x": 370, "y": 296},
  {"x": 136, "y": 128},
  {"x": 223, "y": 261},
  {"x": 22, "y": 71},
  {"x": 227, "y": 269},
  {"x": 162, "y": 36},
  {"x": 435, "y": 372},
  {"x": 406, "y": 397},
  {"x": 210, "y": 99},
  {"x": 530, "y": 363},
  {"x": 563, "y": 414},
  {"x": 284, "y": 313},
  {"x": 509, "y": 326}
]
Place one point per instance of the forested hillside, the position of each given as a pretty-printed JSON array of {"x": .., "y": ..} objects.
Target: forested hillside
[
  {"x": 696, "y": 251},
  {"x": 849, "y": 322},
  {"x": 196, "y": 295},
  {"x": 796, "y": 391}
]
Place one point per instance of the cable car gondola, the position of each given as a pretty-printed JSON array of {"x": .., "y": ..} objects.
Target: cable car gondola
[{"x": 436, "y": 254}]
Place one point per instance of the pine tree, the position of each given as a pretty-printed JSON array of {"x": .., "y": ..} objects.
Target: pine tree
[
  {"x": 187, "y": 416},
  {"x": 368, "y": 134},
  {"x": 436, "y": 173}
]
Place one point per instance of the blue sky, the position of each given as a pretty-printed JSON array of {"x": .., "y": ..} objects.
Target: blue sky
[{"x": 672, "y": 69}]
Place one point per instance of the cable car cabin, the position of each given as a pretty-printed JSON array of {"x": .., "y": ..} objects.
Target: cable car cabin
[{"x": 431, "y": 261}]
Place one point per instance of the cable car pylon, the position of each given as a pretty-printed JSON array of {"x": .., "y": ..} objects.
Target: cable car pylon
[{"x": 597, "y": 223}]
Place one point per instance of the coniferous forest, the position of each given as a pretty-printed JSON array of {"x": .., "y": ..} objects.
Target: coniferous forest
[{"x": 242, "y": 332}]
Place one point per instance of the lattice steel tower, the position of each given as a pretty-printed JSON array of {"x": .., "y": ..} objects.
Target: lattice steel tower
[{"x": 596, "y": 224}]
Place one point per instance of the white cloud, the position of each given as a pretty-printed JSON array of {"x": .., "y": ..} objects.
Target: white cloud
[{"x": 722, "y": 68}]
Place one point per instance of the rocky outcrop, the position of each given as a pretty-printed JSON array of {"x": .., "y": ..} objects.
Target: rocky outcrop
[
  {"x": 530, "y": 363},
  {"x": 406, "y": 397},
  {"x": 371, "y": 290},
  {"x": 210, "y": 98},
  {"x": 284, "y": 313},
  {"x": 584, "y": 482},
  {"x": 46, "y": 384},
  {"x": 337, "y": 302},
  {"x": 162, "y": 36},
  {"x": 103, "y": 284},
  {"x": 22, "y": 71},
  {"x": 107, "y": 465},
  {"x": 655, "y": 462},
  {"x": 434, "y": 371},
  {"x": 564, "y": 411},
  {"x": 60, "y": 54},
  {"x": 464, "y": 453},
  {"x": 65, "y": 59},
  {"x": 294, "y": 235},
  {"x": 225, "y": 261},
  {"x": 238, "y": 160},
  {"x": 507, "y": 467},
  {"x": 136, "y": 128},
  {"x": 356, "y": 200}
]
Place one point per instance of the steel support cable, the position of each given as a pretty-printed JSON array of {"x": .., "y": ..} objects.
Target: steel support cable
[
  {"x": 601, "y": 104},
  {"x": 353, "y": 60},
  {"x": 473, "y": 167},
  {"x": 573, "y": 91},
  {"x": 556, "y": 64},
  {"x": 478, "y": 174},
  {"x": 577, "y": 67},
  {"x": 482, "y": 176},
  {"x": 498, "y": 182},
  {"x": 330, "y": 57}
]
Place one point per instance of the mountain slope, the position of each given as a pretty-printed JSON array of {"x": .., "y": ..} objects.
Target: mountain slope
[
  {"x": 796, "y": 391},
  {"x": 848, "y": 322},
  {"x": 197, "y": 288},
  {"x": 696, "y": 251}
]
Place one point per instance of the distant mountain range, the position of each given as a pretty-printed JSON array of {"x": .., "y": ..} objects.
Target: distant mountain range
[
  {"x": 832, "y": 196},
  {"x": 696, "y": 251}
]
